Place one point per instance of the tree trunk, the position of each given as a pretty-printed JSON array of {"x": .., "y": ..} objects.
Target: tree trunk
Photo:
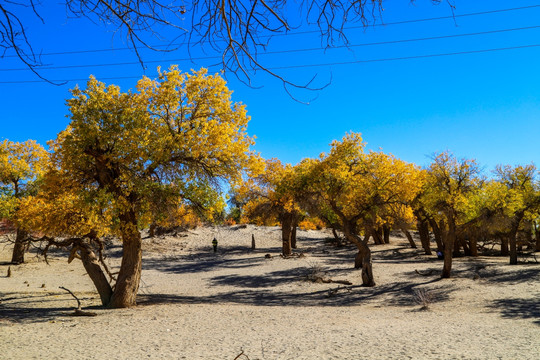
[
  {"x": 293, "y": 235},
  {"x": 504, "y": 246},
  {"x": 19, "y": 248},
  {"x": 95, "y": 272},
  {"x": 409, "y": 237},
  {"x": 437, "y": 233},
  {"x": 537, "y": 237},
  {"x": 386, "y": 234},
  {"x": 152, "y": 230},
  {"x": 423, "y": 231},
  {"x": 465, "y": 244},
  {"x": 286, "y": 225},
  {"x": 457, "y": 247},
  {"x": 473, "y": 248},
  {"x": 363, "y": 256},
  {"x": 449, "y": 241},
  {"x": 129, "y": 277},
  {"x": 512, "y": 236},
  {"x": 336, "y": 236},
  {"x": 377, "y": 236}
]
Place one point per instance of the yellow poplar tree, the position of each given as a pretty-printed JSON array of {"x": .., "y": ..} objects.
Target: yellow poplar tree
[
  {"x": 172, "y": 132},
  {"x": 21, "y": 164}
]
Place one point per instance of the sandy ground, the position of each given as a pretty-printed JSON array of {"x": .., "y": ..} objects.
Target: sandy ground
[{"x": 194, "y": 304}]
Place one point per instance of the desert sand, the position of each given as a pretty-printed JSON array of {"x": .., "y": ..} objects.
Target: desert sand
[{"x": 194, "y": 304}]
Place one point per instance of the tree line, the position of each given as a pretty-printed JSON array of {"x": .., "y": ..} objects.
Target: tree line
[{"x": 161, "y": 154}]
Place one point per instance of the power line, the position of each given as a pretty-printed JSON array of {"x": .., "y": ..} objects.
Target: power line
[
  {"x": 454, "y": 16},
  {"x": 317, "y": 65},
  {"x": 283, "y": 51}
]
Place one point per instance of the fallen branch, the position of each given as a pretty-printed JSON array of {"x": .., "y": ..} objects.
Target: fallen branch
[
  {"x": 425, "y": 274},
  {"x": 241, "y": 354},
  {"x": 78, "y": 311}
]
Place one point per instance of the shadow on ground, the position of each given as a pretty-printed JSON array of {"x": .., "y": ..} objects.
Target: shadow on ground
[{"x": 518, "y": 309}]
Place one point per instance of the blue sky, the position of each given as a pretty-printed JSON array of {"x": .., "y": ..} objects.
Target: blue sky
[{"x": 482, "y": 105}]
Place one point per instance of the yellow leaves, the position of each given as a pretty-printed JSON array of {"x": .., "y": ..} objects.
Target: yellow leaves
[{"x": 21, "y": 163}]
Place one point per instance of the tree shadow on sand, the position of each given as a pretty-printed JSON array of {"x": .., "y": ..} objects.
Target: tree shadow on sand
[
  {"x": 518, "y": 308},
  {"x": 22, "y": 308},
  {"x": 395, "y": 294}
]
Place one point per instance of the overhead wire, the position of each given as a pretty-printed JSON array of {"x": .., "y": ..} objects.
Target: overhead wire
[
  {"x": 453, "y": 16},
  {"x": 320, "y": 64},
  {"x": 284, "y": 51}
]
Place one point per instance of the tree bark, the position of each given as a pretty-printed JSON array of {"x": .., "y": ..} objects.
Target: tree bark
[
  {"x": 537, "y": 237},
  {"x": 286, "y": 225},
  {"x": 386, "y": 234},
  {"x": 19, "y": 248},
  {"x": 409, "y": 237},
  {"x": 448, "y": 241},
  {"x": 129, "y": 277},
  {"x": 95, "y": 272},
  {"x": 473, "y": 246},
  {"x": 423, "y": 231},
  {"x": 377, "y": 236},
  {"x": 504, "y": 246},
  {"x": 363, "y": 257},
  {"x": 293, "y": 235},
  {"x": 437, "y": 233},
  {"x": 512, "y": 236}
]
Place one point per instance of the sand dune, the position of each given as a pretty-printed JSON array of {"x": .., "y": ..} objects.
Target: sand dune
[{"x": 194, "y": 304}]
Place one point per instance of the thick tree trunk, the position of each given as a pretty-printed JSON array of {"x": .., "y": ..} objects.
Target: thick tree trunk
[
  {"x": 95, "y": 272},
  {"x": 423, "y": 231},
  {"x": 19, "y": 248},
  {"x": 449, "y": 241},
  {"x": 129, "y": 277},
  {"x": 386, "y": 234},
  {"x": 363, "y": 257},
  {"x": 409, "y": 237},
  {"x": 286, "y": 225},
  {"x": 504, "y": 246}
]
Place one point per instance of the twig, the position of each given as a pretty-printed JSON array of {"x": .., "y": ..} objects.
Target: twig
[
  {"x": 78, "y": 311},
  {"x": 241, "y": 354}
]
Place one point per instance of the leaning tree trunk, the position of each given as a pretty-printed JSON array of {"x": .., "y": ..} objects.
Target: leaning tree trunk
[
  {"x": 129, "y": 277},
  {"x": 409, "y": 237},
  {"x": 438, "y": 234},
  {"x": 19, "y": 247},
  {"x": 423, "y": 231},
  {"x": 95, "y": 272},
  {"x": 286, "y": 226},
  {"x": 363, "y": 257}
]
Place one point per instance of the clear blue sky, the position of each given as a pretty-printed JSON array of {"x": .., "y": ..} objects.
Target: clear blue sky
[{"x": 477, "y": 105}]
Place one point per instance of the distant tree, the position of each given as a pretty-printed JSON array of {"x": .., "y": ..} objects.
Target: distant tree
[
  {"x": 357, "y": 187},
  {"x": 447, "y": 196},
  {"x": 126, "y": 150},
  {"x": 521, "y": 196},
  {"x": 271, "y": 195},
  {"x": 21, "y": 164}
]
